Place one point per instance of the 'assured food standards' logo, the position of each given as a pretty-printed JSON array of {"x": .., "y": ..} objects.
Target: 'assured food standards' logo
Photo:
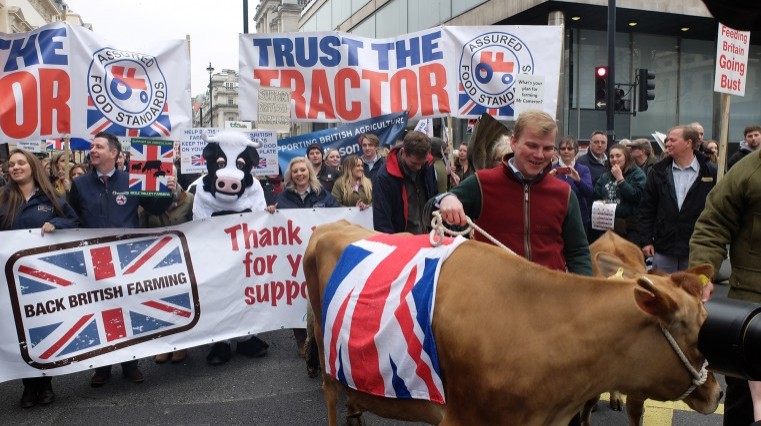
[
  {"x": 127, "y": 95},
  {"x": 488, "y": 68}
]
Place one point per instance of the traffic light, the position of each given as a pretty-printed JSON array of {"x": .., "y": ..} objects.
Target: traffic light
[
  {"x": 646, "y": 88},
  {"x": 601, "y": 87},
  {"x": 620, "y": 104}
]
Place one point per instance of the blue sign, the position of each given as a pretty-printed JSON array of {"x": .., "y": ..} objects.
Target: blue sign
[{"x": 343, "y": 138}]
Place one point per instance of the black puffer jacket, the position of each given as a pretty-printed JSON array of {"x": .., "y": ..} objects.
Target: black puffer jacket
[{"x": 661, "y": 222}]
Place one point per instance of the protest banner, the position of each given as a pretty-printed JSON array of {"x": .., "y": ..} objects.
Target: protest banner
[
  {"x": 442, "y": 71},
  {"x": 63, "y": 80},
  {"x": 343, "y": 138},
  {"x": 192, "y": 144},
  {"x": 79, "y": 299}
]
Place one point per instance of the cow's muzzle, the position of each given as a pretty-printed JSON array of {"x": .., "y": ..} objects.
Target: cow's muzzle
[{"x": 227, "y": 185}]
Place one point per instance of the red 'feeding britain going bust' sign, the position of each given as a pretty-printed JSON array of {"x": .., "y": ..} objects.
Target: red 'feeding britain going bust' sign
[{"x": 731, "y": 61}]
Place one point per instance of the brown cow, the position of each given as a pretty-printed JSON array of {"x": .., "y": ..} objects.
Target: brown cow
[
  {"x": 520, "y": 344},
  {"x": 610, "y": 252}
]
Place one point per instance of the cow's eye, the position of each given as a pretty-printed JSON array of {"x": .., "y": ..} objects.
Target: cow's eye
[
  {"x": 221, "y": 163},
  {"x": 240, "y": 164}
]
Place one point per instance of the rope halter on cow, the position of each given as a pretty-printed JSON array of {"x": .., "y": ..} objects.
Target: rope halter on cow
[
  {"x": 438, "y": 230},
  {"x": 698, "y": 377}
]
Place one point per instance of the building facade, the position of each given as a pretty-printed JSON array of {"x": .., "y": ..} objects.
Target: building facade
[
  {"x": 674, "y": 40},
  {"x": 220, "y": 103}
]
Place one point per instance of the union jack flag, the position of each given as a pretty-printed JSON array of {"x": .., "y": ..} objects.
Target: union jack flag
[
  {"x": 98, "y": 122},
  {"x": 53, "y": 145},
  {"x": 79, "y": 300},
  {"x": 198, "y": 160},
  {"x": 377, "y": 311},
  {"x": 150, "y": 164}
]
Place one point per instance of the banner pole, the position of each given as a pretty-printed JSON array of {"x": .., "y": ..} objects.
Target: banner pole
[{"x": 723, "y": 135}]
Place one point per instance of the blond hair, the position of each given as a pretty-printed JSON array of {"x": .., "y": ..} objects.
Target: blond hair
[{"x": 314, "y": 183}]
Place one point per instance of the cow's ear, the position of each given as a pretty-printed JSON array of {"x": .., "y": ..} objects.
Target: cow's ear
[
  {"x": 704, "y": 269},
  {"x": 609, "y": 265},
  {"x": 253, "y": 156},
  {"x": 652, "y": 299}
]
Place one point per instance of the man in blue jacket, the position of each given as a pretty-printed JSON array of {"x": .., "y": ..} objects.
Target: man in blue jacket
[
  {"x": 402, "y": 187},
  {"x": 101, "y": 199}
]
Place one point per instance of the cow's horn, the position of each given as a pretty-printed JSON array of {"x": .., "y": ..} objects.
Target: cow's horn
[
  {"x": 487, "y": 133},
  {"x": 256, "y": 145},
  {"x": 208, "y": 139}
]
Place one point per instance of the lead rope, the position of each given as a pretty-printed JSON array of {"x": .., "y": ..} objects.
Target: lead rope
[
  {"x": 698, "y": 377},
  {"x": 438, "y": 231}
]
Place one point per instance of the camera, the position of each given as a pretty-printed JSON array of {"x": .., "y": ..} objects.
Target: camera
[{"x": 730, "y": 338}]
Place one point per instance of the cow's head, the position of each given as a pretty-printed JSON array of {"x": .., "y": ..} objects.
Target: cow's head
[
  {"x": 676, "y": 304},
  {"x": 229, "y": 156}
]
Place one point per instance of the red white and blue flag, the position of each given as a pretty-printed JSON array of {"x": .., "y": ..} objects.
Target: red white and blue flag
[
  {"x": 76, "y": 301},
  {"x": 150, "y": 163},
  {"x": 53, "y": 145},
  {"x": 377, "y": 311},
  {"x": 198, "y": 160}
]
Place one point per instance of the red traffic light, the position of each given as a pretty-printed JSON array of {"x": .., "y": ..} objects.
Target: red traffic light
[{"x": 601, "y": 71}]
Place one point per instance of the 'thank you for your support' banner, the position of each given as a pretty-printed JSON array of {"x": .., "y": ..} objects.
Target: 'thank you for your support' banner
[
  {"x": 79, "y": 299},
  {"x": 63, "y": 80},
  {"x": 443, "y": 71}
]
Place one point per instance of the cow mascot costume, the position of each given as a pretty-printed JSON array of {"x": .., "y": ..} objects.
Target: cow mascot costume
[{"x": 228, "y": 188}]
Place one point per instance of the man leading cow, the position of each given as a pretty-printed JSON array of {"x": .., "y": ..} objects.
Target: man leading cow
[{"x": 537, "y": 218}]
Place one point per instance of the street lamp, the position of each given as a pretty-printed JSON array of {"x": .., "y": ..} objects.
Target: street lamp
[{"x": 210, "y": 69}]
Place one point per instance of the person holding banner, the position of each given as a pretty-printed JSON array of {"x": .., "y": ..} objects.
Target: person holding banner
[
  {"x": 102, "y": 200},
  {"x": 303, "y": 191},
  {"x": 30, "y": 201},
  {"x": 353, "y": 188}
]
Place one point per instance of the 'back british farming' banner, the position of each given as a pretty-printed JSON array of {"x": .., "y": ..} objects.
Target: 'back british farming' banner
[
  {"x": 443, "y": 71},
  {"x": 63, "y": 80},
  {"x": 83, "y": 298}
]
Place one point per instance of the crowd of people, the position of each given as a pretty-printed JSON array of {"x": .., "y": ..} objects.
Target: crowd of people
[{"x": 537, "y": 199}]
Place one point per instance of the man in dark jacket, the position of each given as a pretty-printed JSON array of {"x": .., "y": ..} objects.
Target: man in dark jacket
[
  {"x": 403, "y": 186},
  {"x": 101, "y": 199},
  {"x": 596, "y": 157},
  {"x": 371, "y": 160},
  {"x": 325, "y": 174},
  {"x": 751, "y": 143},
  {"x": 674, "y": 197}
]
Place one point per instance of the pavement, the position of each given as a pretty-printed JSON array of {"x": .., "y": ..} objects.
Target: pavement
[{"x": 274, "y": 390}]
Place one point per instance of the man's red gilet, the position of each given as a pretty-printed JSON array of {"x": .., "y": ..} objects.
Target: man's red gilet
[{"x": 527, "y": 218}]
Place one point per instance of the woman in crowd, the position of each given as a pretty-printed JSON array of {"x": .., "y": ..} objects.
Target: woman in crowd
[
  {"x": 463, "y": 167},
  {"x": 333, "y": 159},
  {"x": 575, "y": 174},
  {"x": 712, "y": 151},
  {"x": 58, "y": 174},
  {"x": 353, "y": 188},
  {"x": 622, "y": 185},
  {"x": 29, "y": 201},
  {"x": 76, "y": 171},
  {"x": 302, "y": 191}
]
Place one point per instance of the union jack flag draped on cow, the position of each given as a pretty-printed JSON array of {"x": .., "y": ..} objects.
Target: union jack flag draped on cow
[
  {"x": 377, "y": 311},
  {"x": 150, "y": 163},
  {"x": 80, "y": 300}
]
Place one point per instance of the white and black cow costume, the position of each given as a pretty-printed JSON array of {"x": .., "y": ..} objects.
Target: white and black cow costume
[{"x": 228, "y": 188}]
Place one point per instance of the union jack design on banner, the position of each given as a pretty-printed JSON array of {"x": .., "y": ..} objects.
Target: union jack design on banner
[
  {"x": 78, "y": 300},
  {"x": 377, "y": 311},
  {"x": 198, "y": 160},
  {"x": 150, "y": 164},
  {"x": 53, "y": 145},
  {"x": 98, "y": 122}
]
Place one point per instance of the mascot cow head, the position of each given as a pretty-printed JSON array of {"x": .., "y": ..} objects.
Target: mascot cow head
[{"x": 229, "y": 157}]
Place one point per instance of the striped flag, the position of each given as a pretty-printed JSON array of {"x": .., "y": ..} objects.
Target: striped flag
[{"x": 377, "y": 311}]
